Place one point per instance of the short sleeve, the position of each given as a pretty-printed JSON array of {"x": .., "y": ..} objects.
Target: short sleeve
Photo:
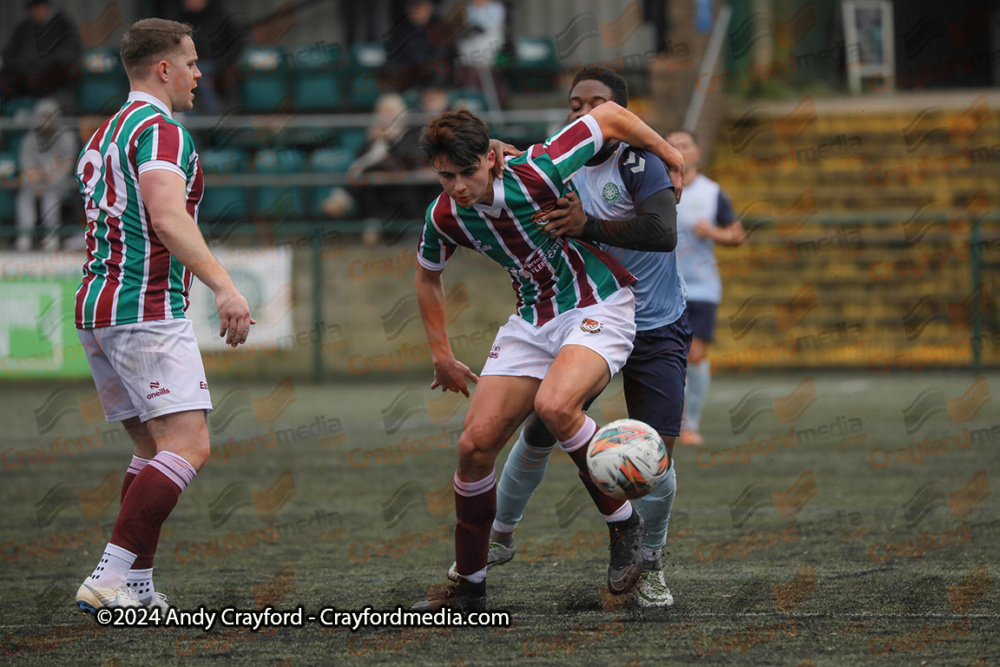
[
  {"x": 164, "y": 145},
  {"x": 724, "y": 214},
  {"x": 564, "y": 153},
  {"x": 434, "y": 249},
  {"x": 643, "y": 174}
]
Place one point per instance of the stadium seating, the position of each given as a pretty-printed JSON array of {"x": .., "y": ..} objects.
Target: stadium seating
[
  {"x": 264, "y": 81},
  {"x": 8, "y": 173},
  {"x": 223, "y": 203},
  {"x": 275, "y": 202},
  {"x": 318, "y": 78},
  {"x": 362, "y": 81},
  {"x": 103, "y": 83},
  {"x": 329, "y": 160},
  {"x": 534, "y": 62},
  {"x": 468, "y": 98}
]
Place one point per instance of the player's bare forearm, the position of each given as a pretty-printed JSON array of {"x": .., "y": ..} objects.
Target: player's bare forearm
[
  {"x": 164, "y": 195},
  {"x": 732, "y": 236},
  {"x": 619, "y": 123},
  {"x": 450, "y": 374},
  {"x": 433, "y": 311}
]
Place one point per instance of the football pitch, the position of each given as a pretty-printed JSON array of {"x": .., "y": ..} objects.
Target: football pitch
[{"x": 830, "y": 519}]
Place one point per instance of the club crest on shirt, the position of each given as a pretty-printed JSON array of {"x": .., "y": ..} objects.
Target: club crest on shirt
[
  {"x": 536, "y": 217},
  {"x": 590, "y": 326},
  {"x": 611, "y": 194}
]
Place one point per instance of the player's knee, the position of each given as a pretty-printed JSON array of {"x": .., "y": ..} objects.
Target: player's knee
[
  {"x": 473, "y": 452},
  {"x": 556, "y": 413}
]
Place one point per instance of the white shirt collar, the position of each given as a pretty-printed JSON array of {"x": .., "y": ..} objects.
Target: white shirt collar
[{"x": 139, "y": 96}]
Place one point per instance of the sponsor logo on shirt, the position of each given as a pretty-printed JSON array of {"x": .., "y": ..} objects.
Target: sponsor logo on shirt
[{"x": 495, "y": 352}]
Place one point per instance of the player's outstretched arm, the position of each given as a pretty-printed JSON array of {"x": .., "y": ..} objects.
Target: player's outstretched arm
[
  {"x": 164, "y": 194},
  {"x": 654, "y": 228},
  {"x": 449, "y": 373},
  {"x": 619, "y": 123}
]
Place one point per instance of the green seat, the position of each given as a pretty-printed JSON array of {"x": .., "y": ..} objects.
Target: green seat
[
  {"x": 15, "y": 106},
  {"x": 318, "y": 74},
  {"x": 222, "y": 202},
  {"x": 535, "y": 61},
  {"x": 264, "y": 79},
  {"x": 329, "y": 160},
  {"x": 467, "y": 98},
  {"x": 351, "y": 139},
  {"x": 8, "y": 174},
  {"x": 363, "y": 83},
  {"x": 103, "y": 83},
  {"x": 279, "y": 202}
]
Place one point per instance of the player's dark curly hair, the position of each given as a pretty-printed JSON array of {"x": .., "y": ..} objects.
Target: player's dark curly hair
[
  {"x": 460, "y": 135},
  {"x": 607, "y": 76}
]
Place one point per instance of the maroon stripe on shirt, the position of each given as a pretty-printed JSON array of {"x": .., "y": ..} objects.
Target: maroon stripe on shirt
[
  {"x": 168, "y": 144},
  {"x": 572, "y": 255},
  {"x": 449, "y": 223},
  {"x": 621, "y": 274},
  {"x": 565, "y": 143},
  {"x": 104, "y": 310},
  {"x": 538, "y": 189},
  {"x": 511, "y": 236},
  {"x": 158, "y": 279}
]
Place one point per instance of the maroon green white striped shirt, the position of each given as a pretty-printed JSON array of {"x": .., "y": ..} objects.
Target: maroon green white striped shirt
[
  {"x": 129, "y": 275},
  {"x": 550, "y": 276}
]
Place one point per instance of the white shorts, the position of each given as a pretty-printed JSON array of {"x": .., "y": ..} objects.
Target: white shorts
[
  {"x": 146, "y": 369},
  {"x": 607, "y": 328}
]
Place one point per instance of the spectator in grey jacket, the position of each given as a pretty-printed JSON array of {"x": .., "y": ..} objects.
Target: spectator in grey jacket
[{"x": 46, "y": 161}]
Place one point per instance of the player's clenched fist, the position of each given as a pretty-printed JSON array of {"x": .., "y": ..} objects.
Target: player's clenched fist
[{"x": 234, "y": 316}]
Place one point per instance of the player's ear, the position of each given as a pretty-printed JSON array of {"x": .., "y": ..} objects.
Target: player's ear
[{"x": 491, "y": 159}]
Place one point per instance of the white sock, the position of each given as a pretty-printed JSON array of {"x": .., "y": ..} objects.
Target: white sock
[
  {"x": 114, "y": 566},
  {"x": 502, "y": 527},
  {"x": 650, "y": 554},
  {"x": 475, "y": 577},
  {"x": 141, "y": 581},
  {"x": 623, "y": 513}
]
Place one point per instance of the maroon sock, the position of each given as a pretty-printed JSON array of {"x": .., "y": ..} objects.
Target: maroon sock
[
  {"x": 605, "y": 503},
  {"x": 134, "y": 468},
  {"x": 151, "y": 497},
  {"x": 475, "y": 509}
]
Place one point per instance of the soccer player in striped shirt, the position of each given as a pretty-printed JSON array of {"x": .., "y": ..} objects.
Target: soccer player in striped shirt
[
  {"x": 572, "y": 330},
  {"x": 628, "y": 206},
  {"x": 141, "y": 184}
]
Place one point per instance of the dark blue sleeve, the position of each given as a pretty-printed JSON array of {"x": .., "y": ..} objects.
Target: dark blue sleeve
[
  {"x": 643, "y": 173},
  {"x": 724, "y": 214}
]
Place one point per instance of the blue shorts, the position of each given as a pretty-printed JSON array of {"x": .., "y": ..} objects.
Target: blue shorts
[
  {"x": 655, "y": 373},
  {"x": 701, "y": 314}
]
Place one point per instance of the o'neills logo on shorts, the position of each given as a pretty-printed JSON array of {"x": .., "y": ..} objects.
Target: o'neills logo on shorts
[
  {"x": 161, "y": 392},
  {"x": 590, "y": 326}
]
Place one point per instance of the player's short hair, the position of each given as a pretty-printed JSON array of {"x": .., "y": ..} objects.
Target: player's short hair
[
  {"x": 460, "y": 135},
  {"x": 694, "y": 137},
  {"x": 149, "y": 40},
  {"x": 607, "y": 76}
]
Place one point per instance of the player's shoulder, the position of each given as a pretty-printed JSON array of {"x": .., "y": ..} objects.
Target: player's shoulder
[
  {"x": 439, "y": 210},
  {"x": 638, "y": 161}
]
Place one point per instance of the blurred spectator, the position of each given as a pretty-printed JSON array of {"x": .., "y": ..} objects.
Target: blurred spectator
[
  {"x": 417, "y": 47},
  {"x": 482, "y": 40},
  {"x": 47, "y": 161},
  {"x": 219, "y": 38},
  {"x": 43, "y": 54},
  {"x": 392, "y": 150}
]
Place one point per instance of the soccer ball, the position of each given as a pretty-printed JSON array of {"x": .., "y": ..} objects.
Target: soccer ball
[{"x": 627, "y": 459}]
